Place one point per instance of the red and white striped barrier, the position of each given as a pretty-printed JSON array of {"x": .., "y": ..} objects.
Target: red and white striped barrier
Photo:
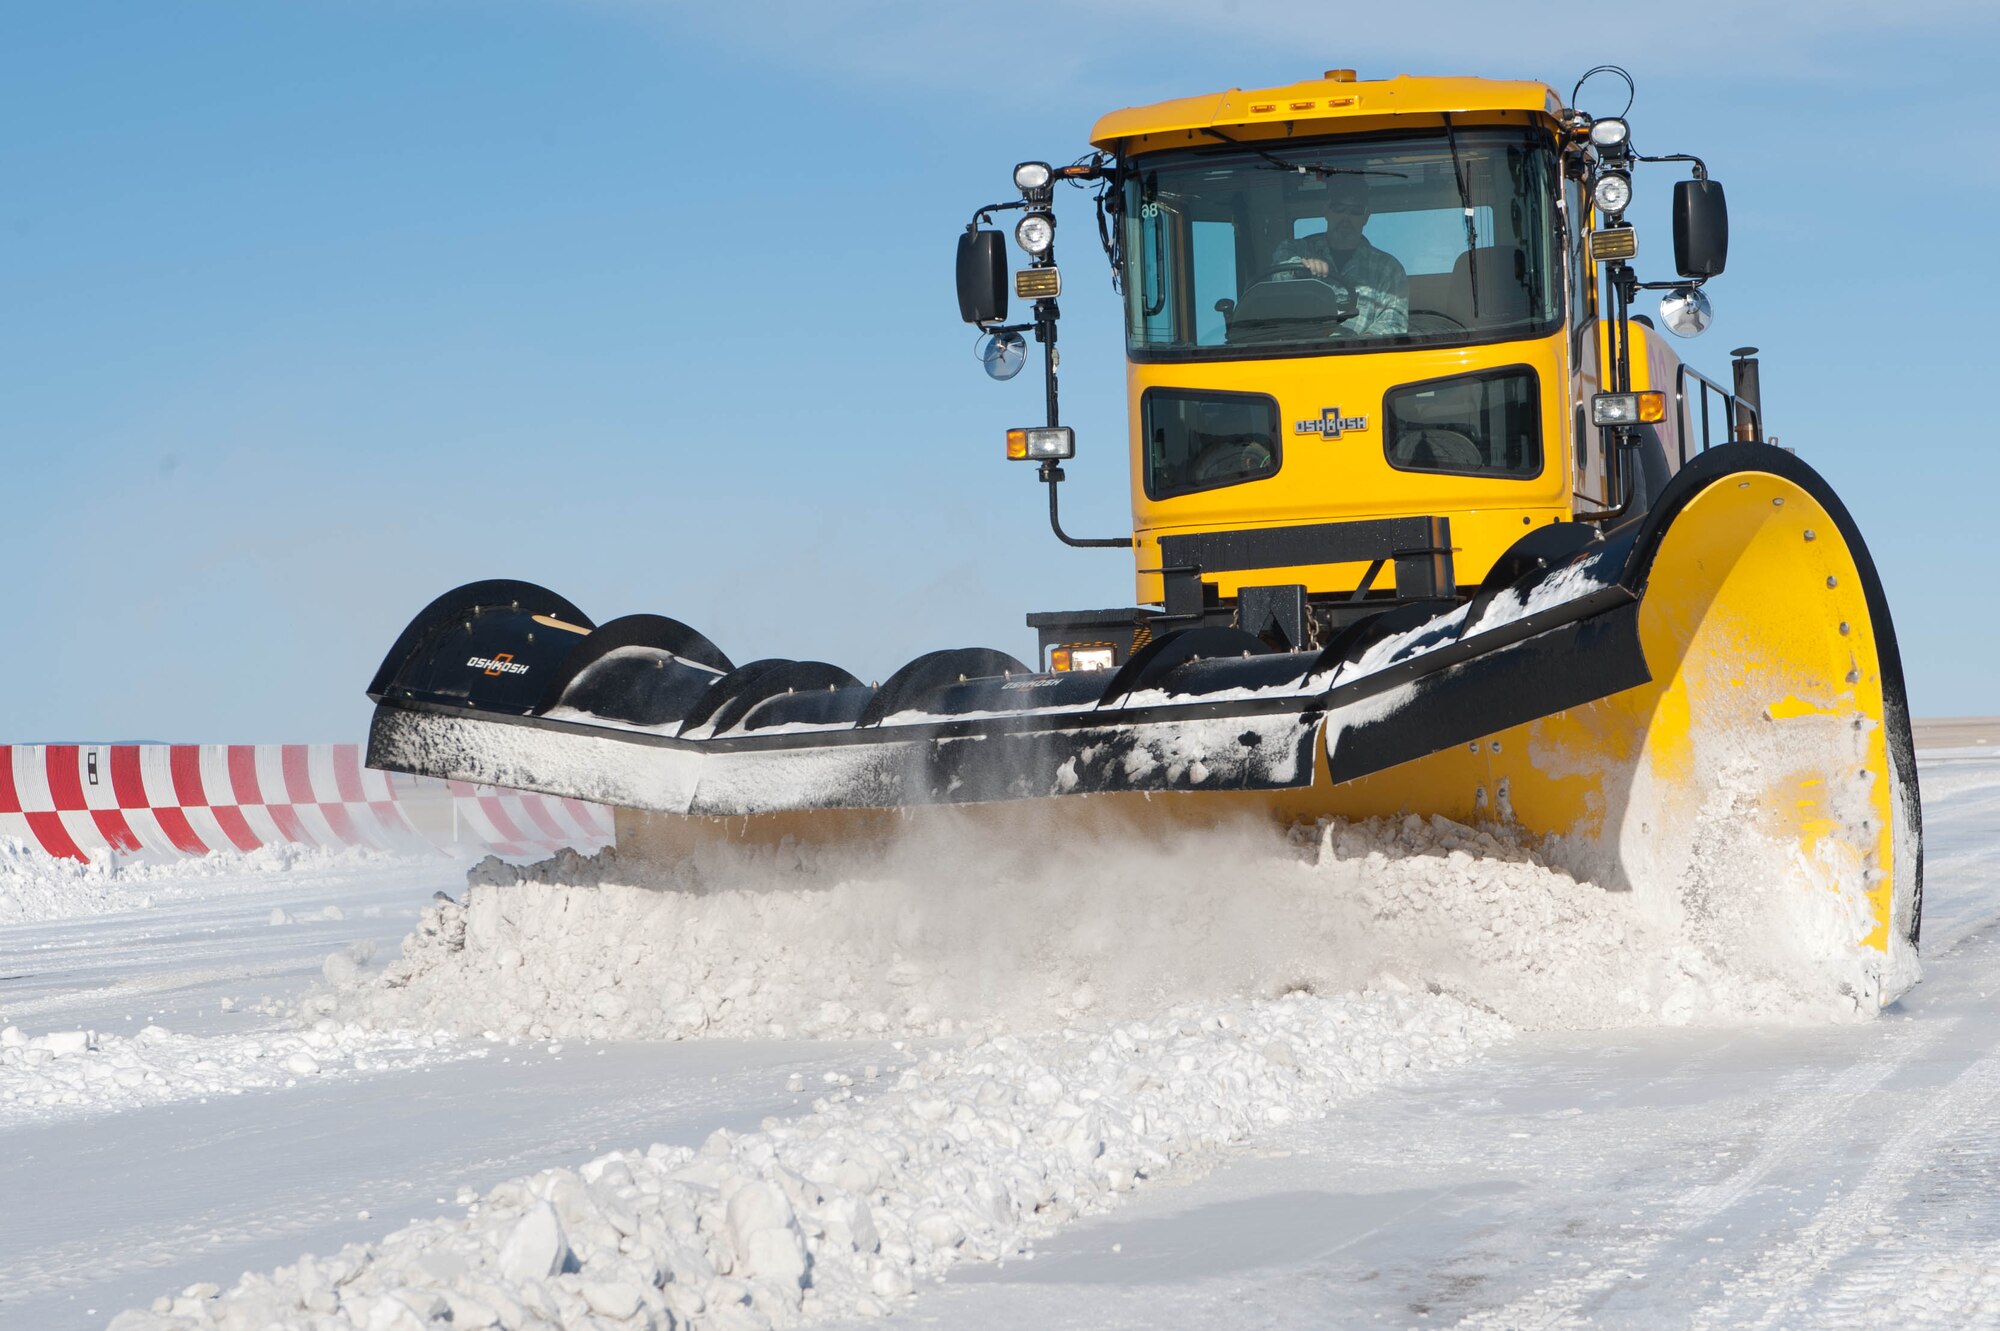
[
  {"x": 80, "y": 800},
  {"x": 516, "y": 823}
]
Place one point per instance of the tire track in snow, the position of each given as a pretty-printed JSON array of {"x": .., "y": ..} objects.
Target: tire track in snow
[
  {"x": 1784, "y": 1279},
  {"x": 1566, "y": 1302},
  {"x": 1945, "y": 1274},
  {"x": 52, "y": 1005}
]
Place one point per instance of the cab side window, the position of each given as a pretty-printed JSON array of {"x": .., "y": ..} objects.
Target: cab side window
[
  {"x": 1486, "y": 424},
  {"x": 1205, "y": 440}
]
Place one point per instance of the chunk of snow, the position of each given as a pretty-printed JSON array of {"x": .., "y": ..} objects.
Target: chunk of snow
[{"x": 535, "y": 1248}]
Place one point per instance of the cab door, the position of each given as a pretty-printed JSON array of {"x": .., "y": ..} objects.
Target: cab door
[{"x": 1585, "y": 353}]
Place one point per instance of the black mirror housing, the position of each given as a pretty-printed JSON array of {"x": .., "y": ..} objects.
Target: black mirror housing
[
  {"x": 1701, "y": 228},
  {"x": 982, "y": 277}
]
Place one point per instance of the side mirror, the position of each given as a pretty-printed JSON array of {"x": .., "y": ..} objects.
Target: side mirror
[
  {"x": 1686, "y": 311},
  {"x": 982, "y": 277},
  {"x": 1701, "y": 228}
]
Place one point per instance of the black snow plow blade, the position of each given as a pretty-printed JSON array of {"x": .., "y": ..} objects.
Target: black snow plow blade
[
  {"x": 506, "y": 683},
  {"x": 509, "y": 684}
]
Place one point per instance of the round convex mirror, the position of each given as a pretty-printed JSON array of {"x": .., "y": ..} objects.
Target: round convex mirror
[
  {"x": 1003, "y": 354},
  {"x": 1686, "y": 311}
]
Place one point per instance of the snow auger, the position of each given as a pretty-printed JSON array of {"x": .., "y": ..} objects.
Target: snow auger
[{"x": 1424, "y": 520}]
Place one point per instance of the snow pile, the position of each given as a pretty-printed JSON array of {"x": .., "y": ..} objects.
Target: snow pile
[
  {"x": 970, "y": 1155},
  {"x": 67, "y": 1072},
  {"x": 36, "y": 886},
  {"x": 1129, "y": 1009},
  {"x": 954, "y": 933},
  {"x": 1480, "y": 915},
  {"x": 1759, "y": 844}
]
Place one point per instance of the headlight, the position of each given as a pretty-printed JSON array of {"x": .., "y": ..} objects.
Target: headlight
[
  {"x": 1612, "y": 133},
  {"x": 1611, "y": 193},
  {"x": 1628, "y": 408},
  {"x": 1043, "y": 443},
  {"x": 1031, "y": 176},
  {"x": 1084, "y": 657},
  {"x": 1035, "y": 233}
]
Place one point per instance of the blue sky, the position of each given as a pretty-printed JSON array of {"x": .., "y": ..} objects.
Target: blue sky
[{"x": 310, "y": 311}]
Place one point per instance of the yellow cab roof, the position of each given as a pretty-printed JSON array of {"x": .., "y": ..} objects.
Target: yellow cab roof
[{"x": 1319, "y": 106}]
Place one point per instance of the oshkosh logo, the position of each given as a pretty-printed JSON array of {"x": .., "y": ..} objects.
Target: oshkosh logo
[
  {"x": 1331, "y": 424},
  {"x": 500, "y": 663}
]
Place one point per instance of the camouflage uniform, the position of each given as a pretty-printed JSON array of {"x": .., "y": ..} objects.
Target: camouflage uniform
[{"x": 1381, "y": 287}]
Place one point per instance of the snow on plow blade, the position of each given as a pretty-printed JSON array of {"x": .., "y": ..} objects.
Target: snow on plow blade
[{"x": 1725, "y": 661}]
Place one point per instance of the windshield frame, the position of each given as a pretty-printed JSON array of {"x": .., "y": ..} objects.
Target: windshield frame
[{"x": 1134, "y": 242}]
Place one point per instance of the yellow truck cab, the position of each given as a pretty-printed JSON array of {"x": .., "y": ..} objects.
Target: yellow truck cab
[{"x": 1376, "y": 334}]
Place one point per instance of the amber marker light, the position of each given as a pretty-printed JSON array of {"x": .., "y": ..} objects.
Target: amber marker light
[
  {"x": 1038, "y": 283},
  {"x": 1617, "y": 243}
]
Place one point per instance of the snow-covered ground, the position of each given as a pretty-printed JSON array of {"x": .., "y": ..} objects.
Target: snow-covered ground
[{"x": 1407, "y": 1076}]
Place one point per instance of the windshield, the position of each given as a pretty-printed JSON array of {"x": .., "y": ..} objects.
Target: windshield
[{"x": 1340, "y": 245}]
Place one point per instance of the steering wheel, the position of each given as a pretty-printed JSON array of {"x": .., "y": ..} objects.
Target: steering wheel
[
  {"x": 1230, "y": 460},
  {"x": 1268, "y": 314},
  {"x": 1287, "y": 270},
  {"x": 1438, "y": 314}
]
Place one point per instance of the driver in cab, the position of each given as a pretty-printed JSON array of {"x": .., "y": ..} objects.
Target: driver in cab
[{"x": 1342, "y": 255}]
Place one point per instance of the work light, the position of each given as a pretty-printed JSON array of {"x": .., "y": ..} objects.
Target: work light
[
  {"x": 1611, "y": 193},
  {"x": 1030, "y": 177},
  {"x": 1611, "y": 133},
  {"x": 1035, "y": 233}
]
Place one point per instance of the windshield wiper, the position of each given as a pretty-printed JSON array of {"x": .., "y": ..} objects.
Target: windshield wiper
[
  {"x": 1465, "y": 202},
  {"x": 1302, "y": 168}
]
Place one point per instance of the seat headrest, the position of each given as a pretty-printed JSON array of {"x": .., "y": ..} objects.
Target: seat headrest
[{"x": 1504, "y": 295}]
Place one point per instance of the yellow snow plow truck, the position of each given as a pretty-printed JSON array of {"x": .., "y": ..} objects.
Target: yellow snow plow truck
[{"x": 1425, "y": 518}]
